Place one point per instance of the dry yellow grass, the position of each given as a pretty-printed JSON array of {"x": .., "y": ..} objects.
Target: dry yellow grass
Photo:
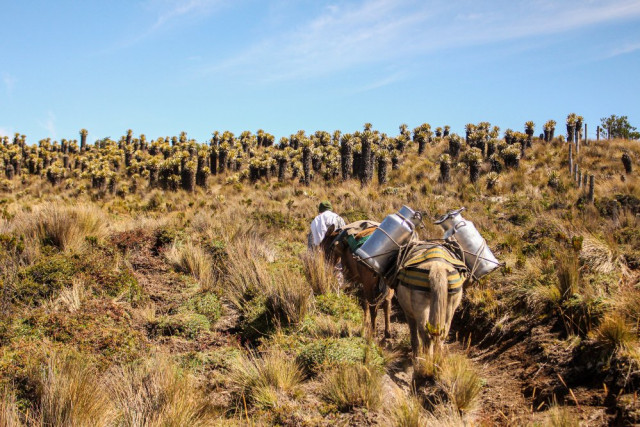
[
  {"x": 68, "y": 228},
  {"x": 71, "y": 394},
  {"x": 350, "y": 386},
  {"x": 9, "y": 413},
  {"x": 459, "y": 380},
  {"x": 157, "y": 393},
  {"x": 189, "y": 257},
  {"x": 260, "y": 379},
  {"x": 320, "y": 273}
]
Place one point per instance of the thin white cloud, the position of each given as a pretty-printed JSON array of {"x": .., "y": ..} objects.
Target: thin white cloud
[
  {"x": 167, "y": 13},
  {"x": 178, "y": 8},
  {"x": 624, "y": 49},
  {"x": 386, "y": 31},
  {"x": 9, "y": 83},
  {"x": 381, "y": 82},
  {"x": 49, "y": 124}
]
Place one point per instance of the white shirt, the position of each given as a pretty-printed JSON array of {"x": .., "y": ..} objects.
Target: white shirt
[{"x": 321, "y": 223}]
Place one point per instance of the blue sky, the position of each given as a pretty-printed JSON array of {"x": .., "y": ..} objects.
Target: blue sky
[{"x": 160, "y": 67}]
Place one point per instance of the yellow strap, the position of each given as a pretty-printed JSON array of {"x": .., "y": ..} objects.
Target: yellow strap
[
  {"x": 435, "y": 252},
  {"x": 420, "y": 278}
]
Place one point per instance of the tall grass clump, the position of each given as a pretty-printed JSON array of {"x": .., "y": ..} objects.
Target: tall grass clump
[
  {"x": 460, "y": 381},
  {"x": 261, "y": 379},
  {"x": 568, "y": 271},
  {"x": 246, "y": 274},
  {"x": 320, "y": 273},
  {"x": 68, "y": 228},
  {"x": 157, "y": 393},
  {"x": 350, "y": 386},
  {"x": 561, "y": 416},
  {"x": 614, "y": 333},
  {"x": 190, "y": 258},
  {"x": 408, "y": 412},
  {"x": 9, "y": 413},
  {"x": 289, "y": 297},
  {"x": 70, "y": 394},
  {"x": 427, "y": 366},
  {"x": 445, "y": 415}
]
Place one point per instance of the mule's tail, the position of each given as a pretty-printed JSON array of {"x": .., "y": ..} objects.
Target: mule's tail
[{"x": 438, "y": 310}]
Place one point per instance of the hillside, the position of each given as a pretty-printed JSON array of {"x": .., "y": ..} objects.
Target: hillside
[{"x": 168, "y": 282}]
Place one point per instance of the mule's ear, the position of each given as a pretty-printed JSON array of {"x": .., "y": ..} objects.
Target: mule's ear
[{"x": 330, "y": 230}]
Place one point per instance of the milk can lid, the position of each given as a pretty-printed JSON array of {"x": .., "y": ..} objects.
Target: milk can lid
[{"x": 448, "y": 215}]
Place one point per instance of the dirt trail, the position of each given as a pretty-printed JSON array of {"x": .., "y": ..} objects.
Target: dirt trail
[{"x": 519, "y": 381}]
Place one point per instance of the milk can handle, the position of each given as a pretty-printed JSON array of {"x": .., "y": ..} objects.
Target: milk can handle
[{"x": 459, "y": 225}]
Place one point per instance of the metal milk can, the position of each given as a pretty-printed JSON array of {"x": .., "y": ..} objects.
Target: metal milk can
[
  {"x": 477, "y": 255},
  {"x": 379, "y": 251}
]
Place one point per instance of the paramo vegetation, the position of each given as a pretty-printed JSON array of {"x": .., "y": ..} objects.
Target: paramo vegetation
[{"x": 167, "y": 281}]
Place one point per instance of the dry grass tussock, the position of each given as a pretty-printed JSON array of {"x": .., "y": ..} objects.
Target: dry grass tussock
[
  {"x": 70, "y": 394},
  {"x": 289, "y": 296},
  {"x": 247, "y": 273},
  {"x": 561, "y": 416},
  {"x": 445, "y": 415},
  {"x": 408, "y": 412},
  {"x": 9, "y": 413},
  {"x": 189, "y": 257},
  {"x": 568, "y": 273},
  {"x": 615, "y": 333},
  {"x": 72, "y": 298},
  {"x": 460, "y": 381},
  {"x": 350, "y": 386},
  {"x": 598, "y": 256},
  {"x": 262, "y": 379},
  {"x": 69, "y": 228},
  {"x": 320, "y": 273},
  {"x": 157, "y": 393}
]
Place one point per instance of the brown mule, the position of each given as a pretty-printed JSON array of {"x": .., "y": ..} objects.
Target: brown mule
[{"x": 358, "y": 272}]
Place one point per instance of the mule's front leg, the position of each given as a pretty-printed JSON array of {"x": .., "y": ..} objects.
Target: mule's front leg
[
  {"x": 373, "y": 311},
  {"x": 366, "y": 317}
]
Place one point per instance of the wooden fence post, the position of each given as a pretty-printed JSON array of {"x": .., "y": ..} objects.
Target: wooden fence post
[
  {"x": 579, "y": 180},
  {"x": 598, "y": 133},
  {"x": 586, "y": 140},
  {"x": 591, "y": 188}
]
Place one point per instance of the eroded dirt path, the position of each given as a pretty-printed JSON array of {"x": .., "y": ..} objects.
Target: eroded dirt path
[{"x": 521, "y": 376}]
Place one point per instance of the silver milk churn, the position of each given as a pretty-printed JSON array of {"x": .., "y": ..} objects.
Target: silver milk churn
[
  {"x": 379, "y": 251},
  {"x": 477, "y": 255}
]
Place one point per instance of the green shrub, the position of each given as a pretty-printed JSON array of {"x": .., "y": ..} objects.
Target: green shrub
[
  {"x": 321, "y": 353},
  {"x": 279, "y": 220},
  {"x": 339, "y": 305},
  {"x": 256, "y": 320},
  {"x": 187, "y": 325},
  {"x": 44, "y": 279},
  {"x": 206, "y": 304},
  {"x": 355, "y": 215}
]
